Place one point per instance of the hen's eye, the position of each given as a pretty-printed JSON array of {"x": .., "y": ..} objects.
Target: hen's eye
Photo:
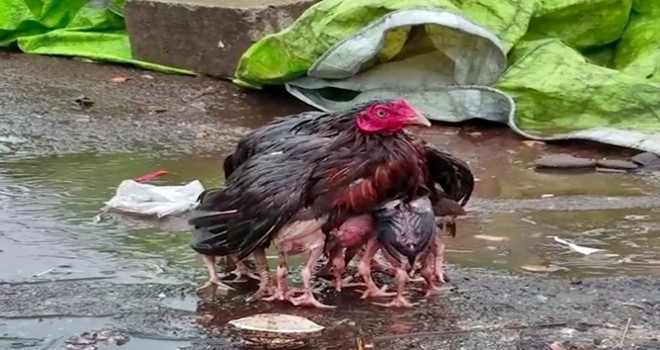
[{"x": 381, "y": 113}]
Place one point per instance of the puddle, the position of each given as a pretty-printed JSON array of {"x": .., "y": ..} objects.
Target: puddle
[
  {"x": 53, "y": 333},
  {"x": 48, "y": 231},
  {"x": 630, "y": 238},
  {"x": 504, "y": 166}
]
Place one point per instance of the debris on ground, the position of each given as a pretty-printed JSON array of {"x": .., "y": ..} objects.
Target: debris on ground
[
  {"x": 577, "y": 248},
  {"x": 89, "y": 340},
  {"x": 144, "y": 199},
  {"x": 641, "y": 162},
  {"x": 272, "y": 330},
  {"x": 82, "y": 102},
  {"x": 120, "y": 79}
]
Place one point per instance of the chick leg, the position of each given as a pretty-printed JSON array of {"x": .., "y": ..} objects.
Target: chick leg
[
  {"x": 265, "y": 284},
  {"x": 282, "y": 292},
  {"x": 364, "y": 269},
  {"x": 307, "y": 298},
  {"x": 439, "y": 252},
  {"x": 338, "y": 266},
  {"x": 399, "y": 301},
  {"x": 214, "y": 281},
  {"x": 429, "y": 274}
]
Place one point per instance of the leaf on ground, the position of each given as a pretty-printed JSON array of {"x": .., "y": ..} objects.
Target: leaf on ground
[
  {"x": 539, "y": 268},
  {"x": 491, "y": 238},
  {"x": 533, "y": 143},
  {"x": 119, "y": 80}
]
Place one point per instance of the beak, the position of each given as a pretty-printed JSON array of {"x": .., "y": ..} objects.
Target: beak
[{"x": 419, "y": 119}]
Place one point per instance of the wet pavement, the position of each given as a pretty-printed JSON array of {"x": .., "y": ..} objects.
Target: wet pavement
[{"x": 65, "y": 274}]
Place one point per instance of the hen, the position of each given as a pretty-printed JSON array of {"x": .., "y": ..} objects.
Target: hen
[
  {"x": 310, "y": 186},
  {"x": 452, "y": 177}
]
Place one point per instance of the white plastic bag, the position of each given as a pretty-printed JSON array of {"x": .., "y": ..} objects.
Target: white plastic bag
[{"x": 144, "y": 199}]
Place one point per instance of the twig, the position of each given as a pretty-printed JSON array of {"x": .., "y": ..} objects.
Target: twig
[
  {"x": 466, "y": 331},
  {"x": 625, "y": 332}
]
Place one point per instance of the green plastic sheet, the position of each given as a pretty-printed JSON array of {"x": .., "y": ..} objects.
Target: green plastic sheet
[
  {"x": 82, "y": 28},
  {"x": 585, "y": 69}
]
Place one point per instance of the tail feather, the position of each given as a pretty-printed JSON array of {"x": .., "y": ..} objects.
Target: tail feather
[
  {"x": 206, "y": 218},
  {"x": 211, "y": 240},
  {"x": 451, "y": 173}
]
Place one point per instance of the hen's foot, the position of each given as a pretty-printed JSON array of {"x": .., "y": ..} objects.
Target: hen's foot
[
  {"x": 397, "y": 302},
  {"x": 308, "y": 299}
]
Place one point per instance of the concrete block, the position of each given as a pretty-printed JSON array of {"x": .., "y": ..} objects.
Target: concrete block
[{"x": 206, "y": 36}]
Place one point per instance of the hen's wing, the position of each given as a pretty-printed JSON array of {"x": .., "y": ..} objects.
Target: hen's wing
[
  {"x": 271, "y": 137},
  {"x": 350, "y": 180},
  {"x": 262, "y": 196}
]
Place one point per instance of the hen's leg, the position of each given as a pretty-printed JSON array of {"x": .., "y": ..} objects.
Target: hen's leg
[
  {"x": 214, "y": 281},
  {"x": 399, "y": 300},
  {"x": 282, "y": 292},
  {"x": 265, "y": 285},
  {"x": 364, "y": 269},
  {"x": 307, "y": 298}
]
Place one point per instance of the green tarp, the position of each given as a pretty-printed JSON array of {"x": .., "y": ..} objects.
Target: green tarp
[
  {"x": 82, "y": 28},
  {"x": 586, "y": 69}
]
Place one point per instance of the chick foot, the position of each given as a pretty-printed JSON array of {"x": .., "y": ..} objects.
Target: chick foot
[
  {"x": 373, "y": 291},
  {"x": 308, "y": 299},
  {"x": 212, "y": 285},
  {"x": 398, "y": 302},
  {"x": 241, "y": 274},
  {"x": 283, "y": 292},
  {"x": 265, "y": 285}
]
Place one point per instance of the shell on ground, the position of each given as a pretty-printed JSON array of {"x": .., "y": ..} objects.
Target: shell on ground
[{"x": 272, "y": 330}]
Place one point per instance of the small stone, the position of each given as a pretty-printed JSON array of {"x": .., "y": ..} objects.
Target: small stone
[
  {"x": 616, "y": 164},
  {"x": 646, "y": 158},
  {"x": 162, "y": 296},
  {"x": 564, "y": 161}
]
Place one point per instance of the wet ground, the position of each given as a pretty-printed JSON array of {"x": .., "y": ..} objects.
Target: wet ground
[{"x": 64, "y": 273}]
